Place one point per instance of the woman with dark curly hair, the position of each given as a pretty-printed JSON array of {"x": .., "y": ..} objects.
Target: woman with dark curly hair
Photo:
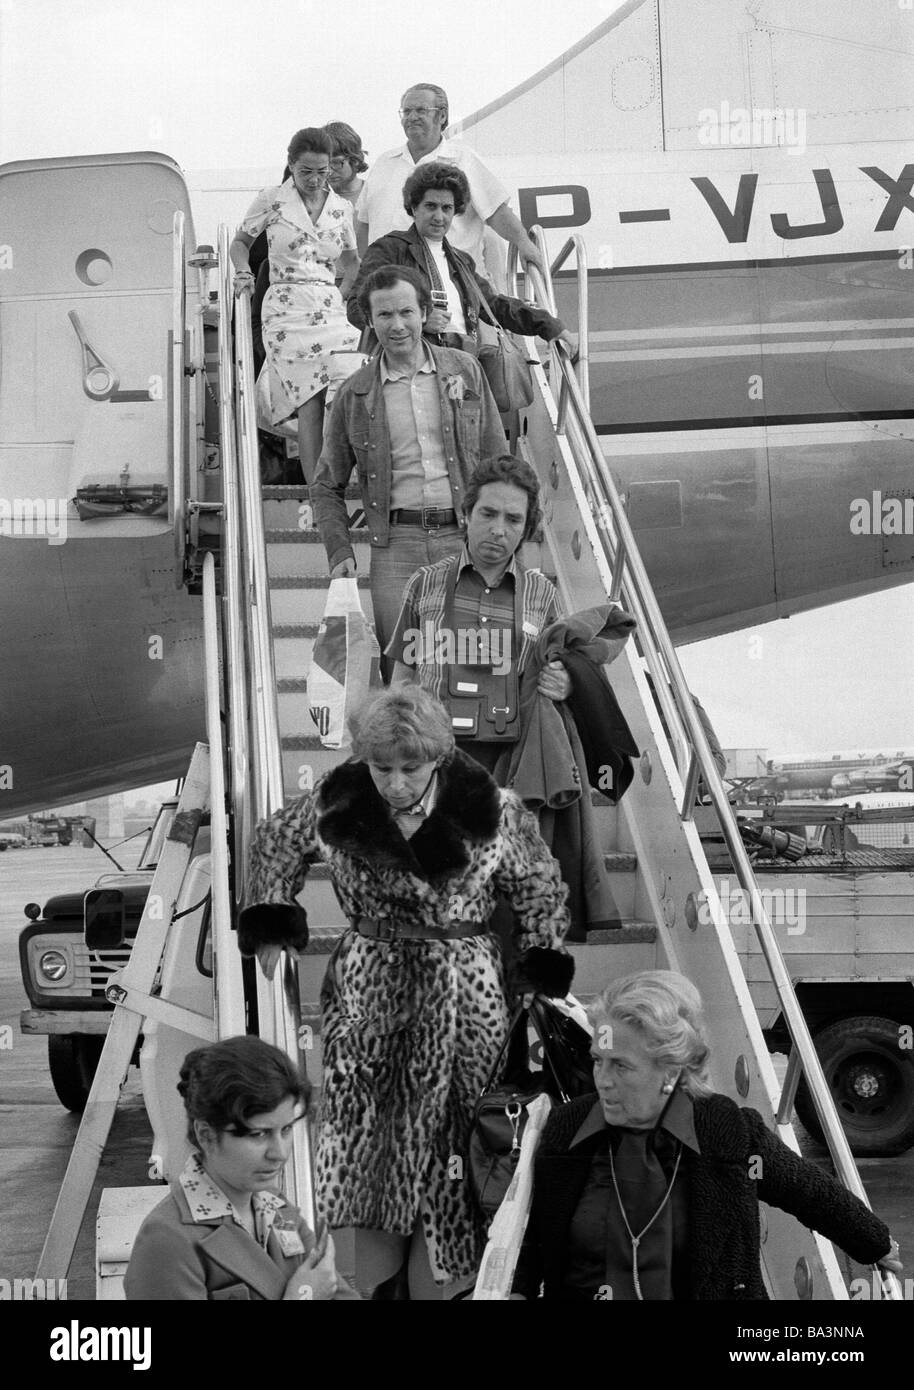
[
  {"x": 225, "y": 1231},
  {"x": 418, "y": 841},
  {"x": 433, "y": 195}
]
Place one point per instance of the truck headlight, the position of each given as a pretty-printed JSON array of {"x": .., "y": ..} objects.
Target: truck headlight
[{"x": 52, "y": 965}]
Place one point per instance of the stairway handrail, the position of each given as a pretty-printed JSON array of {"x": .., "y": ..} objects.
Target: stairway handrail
[
  {"x": 179, "y": 428},
  {"x": 622, "y": 560},
  {"x": 229, "y": 989},
  {"x": 233, "y": 604},
  {"x": 268, "y": 746},
  {"x": 576, "y": 244},
  {"x": 279, "y": 1001}
]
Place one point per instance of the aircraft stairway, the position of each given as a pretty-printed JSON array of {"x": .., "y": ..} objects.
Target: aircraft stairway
[{"x": 274, "y": 587}]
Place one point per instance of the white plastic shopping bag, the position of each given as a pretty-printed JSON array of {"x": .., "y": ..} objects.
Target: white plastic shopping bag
[{"x": 345, "y": 662}]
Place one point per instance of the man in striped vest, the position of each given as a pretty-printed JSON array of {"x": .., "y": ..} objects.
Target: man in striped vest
[{"x": 468, "y": 623}]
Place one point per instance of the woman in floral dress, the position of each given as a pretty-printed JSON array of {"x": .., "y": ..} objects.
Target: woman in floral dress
[{"x": 305, "y": 332}]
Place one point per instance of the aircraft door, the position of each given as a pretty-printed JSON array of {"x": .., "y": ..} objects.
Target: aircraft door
[{"x": 85, "y": 313}]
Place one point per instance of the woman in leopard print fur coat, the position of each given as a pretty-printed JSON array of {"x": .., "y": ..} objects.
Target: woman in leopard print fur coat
[{"x": 411, "y": 1027}]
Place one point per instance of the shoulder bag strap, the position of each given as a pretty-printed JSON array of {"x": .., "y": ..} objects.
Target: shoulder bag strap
[
  {"x": 490, "y": 1079},
  {"x": 480, "y": 302},
  {"x": 431, "y": 267},
  {"x": 533, "y": 1011},
  {"x": 537, "y": 1008}
]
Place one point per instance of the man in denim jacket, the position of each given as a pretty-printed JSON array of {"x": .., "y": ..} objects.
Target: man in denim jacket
[{"x": 415, "y": 421}]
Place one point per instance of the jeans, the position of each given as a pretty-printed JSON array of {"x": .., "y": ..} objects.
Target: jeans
[{"x": 410, "y": 548}]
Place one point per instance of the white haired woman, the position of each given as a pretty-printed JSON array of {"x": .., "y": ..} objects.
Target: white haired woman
[
  {"x": 418, "y": 840},
  {"x": 651, "y": 1191}
]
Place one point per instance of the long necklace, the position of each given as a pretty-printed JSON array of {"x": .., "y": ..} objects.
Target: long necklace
[{"x": 636, "y": 1239}]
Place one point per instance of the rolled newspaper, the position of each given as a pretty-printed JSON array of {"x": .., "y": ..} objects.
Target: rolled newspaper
[{"x": 496, "y": 1273}]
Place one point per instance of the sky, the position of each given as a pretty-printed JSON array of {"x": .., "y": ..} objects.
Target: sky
[
  {"x": 220, "y": 84},
  {"x": 223, "y": 85}
]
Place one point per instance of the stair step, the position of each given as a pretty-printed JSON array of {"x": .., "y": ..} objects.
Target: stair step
[
  {"x": 601, "y": 958},
  {"x": 627, "y": 934},
  {"x": 288, "y": 742},
  {"x": 607, "y": 955},
  {"x": 290, "y": 492},
  {"x": 620, "y": 861},
  {"x": 306, "y": 581},
  {"x": 292, "y": 661},
  {"x": 320, "y": 901},
  {"x": 307, "y": 743},
  {"x": 298, "y": 739},
  {"x": 287, "y": 560},
  {"x": 322, "y": 939},
  {"x": 292, "y": 647},
  {"x": 297, "y": 514},
  {"x": 295, "y": 712},
  {"x": 616, "y": 863},
  {"x": 301, "y": 767},
  {"x": 295, "y": 535},
  {"x": 290, "y": 507},
  {"x": 297, "y": 601}
]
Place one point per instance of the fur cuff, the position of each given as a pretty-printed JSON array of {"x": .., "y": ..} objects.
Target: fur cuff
[
  {"x": 272, "y": 924},
  {"x": 545, "y": 971}
]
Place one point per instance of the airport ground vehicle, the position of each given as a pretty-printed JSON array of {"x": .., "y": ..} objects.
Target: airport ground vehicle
[
  {"x": 842, "y": 913},
  {"x": 65, "y": 970}
]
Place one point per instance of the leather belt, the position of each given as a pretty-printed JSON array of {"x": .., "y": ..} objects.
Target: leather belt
[
  {"x": 382, "y": 929},
  {"x": 430, "y": 518}
]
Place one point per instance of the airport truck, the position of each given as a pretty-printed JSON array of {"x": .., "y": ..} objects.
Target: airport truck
[
  {"x": 67, "y": 962},
  {"x": 843, "y": 913}
]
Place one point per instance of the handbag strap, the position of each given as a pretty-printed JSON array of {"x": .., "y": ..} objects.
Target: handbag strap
[
  {"x": 490, "y": 1079},
  {"x": 432, "y": 268},
  {"x": 533, "y": 1010},
  {"x": 537, "y": 1008},
  {"x": 480, "y": 302}
]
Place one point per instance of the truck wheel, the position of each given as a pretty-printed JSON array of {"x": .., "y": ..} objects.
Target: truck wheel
[
  {"x": 72, "y": 1060},
  {"x": 871, "y": 1079}
]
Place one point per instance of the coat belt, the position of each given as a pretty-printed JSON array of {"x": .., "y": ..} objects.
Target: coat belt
[{"x": 383, "y": 929}]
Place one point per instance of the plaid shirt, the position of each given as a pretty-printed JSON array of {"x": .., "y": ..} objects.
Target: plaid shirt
[{"x": 423, "y": 610}]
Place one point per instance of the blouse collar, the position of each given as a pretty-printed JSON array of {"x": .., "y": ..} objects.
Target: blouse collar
[
  {"x": 207, "y": 1202},
  {"x": 677, "y": 1119},
  {"x": 293, "y": 205}
]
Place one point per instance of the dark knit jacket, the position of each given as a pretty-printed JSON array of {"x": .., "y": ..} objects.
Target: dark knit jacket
[{"x": 723, "y": 1233}]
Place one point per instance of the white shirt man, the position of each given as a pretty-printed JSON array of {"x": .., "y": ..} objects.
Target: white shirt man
[{"x": 424, "y": 114}]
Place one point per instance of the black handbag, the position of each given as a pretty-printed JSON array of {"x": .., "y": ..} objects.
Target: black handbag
[{"x": 500, "y": 1113}]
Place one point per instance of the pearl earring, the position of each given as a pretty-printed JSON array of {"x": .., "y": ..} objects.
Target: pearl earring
[{"x": 667, "y": 1088}]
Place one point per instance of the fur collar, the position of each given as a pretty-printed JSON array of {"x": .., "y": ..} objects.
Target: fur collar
[{"x": 353, "y": 817}]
